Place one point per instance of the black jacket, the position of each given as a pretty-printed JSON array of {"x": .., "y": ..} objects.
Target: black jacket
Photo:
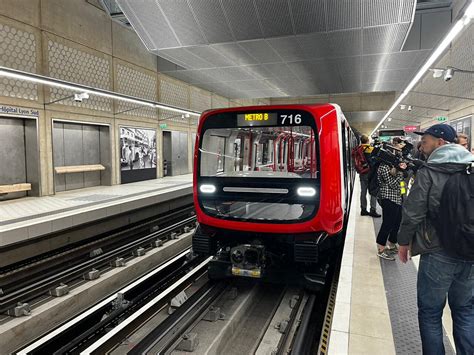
[{"x": 420, "y": 209}]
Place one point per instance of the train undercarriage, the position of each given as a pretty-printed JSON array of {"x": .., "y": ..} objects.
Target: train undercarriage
[{"x": 301, "y": 259}]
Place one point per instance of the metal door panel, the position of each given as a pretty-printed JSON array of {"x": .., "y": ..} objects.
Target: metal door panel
[
  {"x": 58, "y": 155},
  {"x": 105, "y": 155},
  {"x": 167, "y": 152},
  {"x": 91, "y": 144},
  {"x": 183, "y": 148},
  {"x": 175, "y": 157},
  {"x": 73, "y": 154},
  {"x": 12, "y": 157},
  {"x": 31, "y": 157}
]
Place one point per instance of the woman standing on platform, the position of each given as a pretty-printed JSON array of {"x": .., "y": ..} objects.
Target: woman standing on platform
[{"x": 390, "y": 198}]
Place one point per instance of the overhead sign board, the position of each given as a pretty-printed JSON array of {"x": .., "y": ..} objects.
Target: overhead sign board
[
  {"x": 411, "y": 128},
  {"x": 391, "y": 133},
  {"x": 441, "y": 118}
]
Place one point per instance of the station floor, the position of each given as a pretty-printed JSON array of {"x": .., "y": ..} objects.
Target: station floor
[
  {"x": 376, "y": 310},
  {"x": 32, "y": 217}
]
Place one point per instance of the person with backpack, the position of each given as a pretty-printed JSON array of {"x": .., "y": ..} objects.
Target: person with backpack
[
  {"x": 361, "y": 156},
  {"x": 438, "y": 223}
]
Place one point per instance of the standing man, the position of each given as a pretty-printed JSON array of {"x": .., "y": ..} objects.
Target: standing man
[
  {"x": 439, "y": 274},
  {"x": 361, "y": 156}
]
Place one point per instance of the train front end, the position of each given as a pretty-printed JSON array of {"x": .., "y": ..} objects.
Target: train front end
[{"x": 258, "y": 193}]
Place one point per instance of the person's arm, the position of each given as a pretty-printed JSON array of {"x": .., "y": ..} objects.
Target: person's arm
[{"x": 414, "y": 211}]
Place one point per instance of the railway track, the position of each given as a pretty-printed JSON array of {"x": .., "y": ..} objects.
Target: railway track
[
  {"x": 233, "y": 317},
  {"x": 239, "y": 316},
  {"x": 128, "y": 306},
  {"x": 53, "y": 274}
]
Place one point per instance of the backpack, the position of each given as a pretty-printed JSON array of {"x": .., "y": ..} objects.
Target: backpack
[
  {"x": 360, "y": 162},
  {"x": 455, "y": 226},
  {"x": 374, "y": 186}
]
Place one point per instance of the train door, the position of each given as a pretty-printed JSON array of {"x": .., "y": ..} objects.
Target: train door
[
  {"x": 166, "y": 149},
  {"x": 179, "y": 151}
]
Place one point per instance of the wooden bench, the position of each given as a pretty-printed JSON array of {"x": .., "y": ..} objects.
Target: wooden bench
[
  {"x": 78, "y": 168},
  {"x": 6, "y": 189}
]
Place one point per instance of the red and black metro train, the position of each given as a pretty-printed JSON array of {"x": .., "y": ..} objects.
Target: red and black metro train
[{"x": 272, "y": 186}]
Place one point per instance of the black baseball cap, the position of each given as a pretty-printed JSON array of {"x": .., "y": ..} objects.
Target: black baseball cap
[{"x": 440, "y": 130}]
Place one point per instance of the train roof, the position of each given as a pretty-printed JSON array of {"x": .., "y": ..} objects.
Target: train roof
[{"x": 319, "y": 106}]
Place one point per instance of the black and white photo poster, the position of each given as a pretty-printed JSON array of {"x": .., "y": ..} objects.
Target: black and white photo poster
[{"x": 138, "y": 154}]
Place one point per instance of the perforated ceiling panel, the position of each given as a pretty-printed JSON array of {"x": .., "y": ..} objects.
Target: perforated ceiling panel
[{"x": 222, "y": 42}]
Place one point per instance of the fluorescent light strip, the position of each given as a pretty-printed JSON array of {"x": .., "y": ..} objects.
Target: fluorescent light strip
[
  {"x": 40, "y": 79},
  {"x": 455, "y": 30}
]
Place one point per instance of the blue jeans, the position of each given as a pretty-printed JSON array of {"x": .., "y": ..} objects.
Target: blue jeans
[{"x": 439, "y": 276}]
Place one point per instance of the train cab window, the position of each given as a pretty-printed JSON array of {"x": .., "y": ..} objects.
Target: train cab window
[
  {"x": 270, "y": 152},
  {"x": 259, "y": 173}
]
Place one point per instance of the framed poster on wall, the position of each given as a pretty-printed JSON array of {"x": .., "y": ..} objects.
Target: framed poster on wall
[{"x": 138, "y": 154}]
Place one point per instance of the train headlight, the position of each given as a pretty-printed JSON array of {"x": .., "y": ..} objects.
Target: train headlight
[
  {"x": 207, "y": 189},
  {"x": 306, "y": 191}
]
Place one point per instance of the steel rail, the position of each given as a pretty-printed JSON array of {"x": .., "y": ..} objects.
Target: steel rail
[
  {"x": 42, "y": 286},
  {"x": 172, "y": 328},
  {"x": 118, "y": 333},
  {"x": 68, "y": 333},
  {"x": 301, "y": 339},
  {"x": 24, "y": 267},
  {"x": 293, "y": 316}
]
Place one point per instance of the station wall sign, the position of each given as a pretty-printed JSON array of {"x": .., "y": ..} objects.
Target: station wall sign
[
  {"x": 18, "y": 111},
  {"x": 409, "y": 129},
  {"x": 391, "y": 133}
]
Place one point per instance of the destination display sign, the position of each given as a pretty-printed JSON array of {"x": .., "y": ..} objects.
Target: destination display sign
[{"x": 257, "y": 119}]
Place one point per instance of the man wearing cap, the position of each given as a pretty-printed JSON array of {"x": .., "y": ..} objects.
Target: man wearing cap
[{"x": 436, "y": 275}]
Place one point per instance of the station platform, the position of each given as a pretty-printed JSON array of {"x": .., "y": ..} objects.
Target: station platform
[
  {"x": 33, "y": 217},
  {"x": 376, "y": 306}
]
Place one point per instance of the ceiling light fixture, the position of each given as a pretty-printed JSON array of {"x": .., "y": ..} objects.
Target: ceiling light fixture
[
  {"x": 455, "y": 30},
  {"x": 448, "y": 73},
  {"x": 84, "y": 89},
  {"x": 402, "y": 107},
  {"x": 437, "y": 72}
]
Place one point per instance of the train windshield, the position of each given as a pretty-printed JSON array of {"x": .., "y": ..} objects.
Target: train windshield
[
  {"x": 259, "y": 152},
  {"x": 259, "y": 172}
]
